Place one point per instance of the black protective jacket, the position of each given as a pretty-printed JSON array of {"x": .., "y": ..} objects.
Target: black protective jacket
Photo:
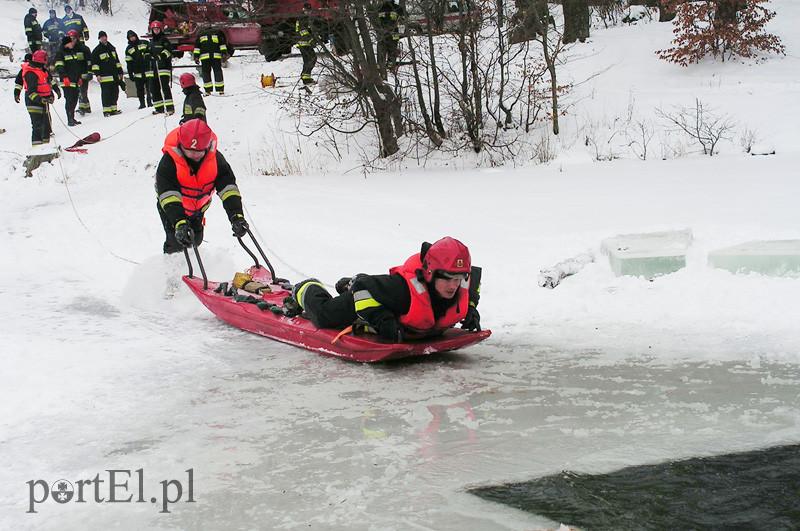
[
  {"x": 105, "y": 63},
  {"x": 193, "y": 105},
  {"x": 53, "y": 29},
  {"x": 68, "y": 65},
  {"x": 33, "y": 31},
  {"x": 160, "y": 53},
  {"x": 137, "y": 57}
]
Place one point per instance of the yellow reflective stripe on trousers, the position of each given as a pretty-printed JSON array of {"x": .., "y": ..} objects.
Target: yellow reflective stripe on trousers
[{"x": 301, "y": 293}]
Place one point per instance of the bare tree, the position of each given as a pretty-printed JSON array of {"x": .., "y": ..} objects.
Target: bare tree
[{"x": 701, "y": 124}]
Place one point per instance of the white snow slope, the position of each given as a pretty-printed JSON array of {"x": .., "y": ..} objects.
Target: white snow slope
[{"x": 102, "y": 369}]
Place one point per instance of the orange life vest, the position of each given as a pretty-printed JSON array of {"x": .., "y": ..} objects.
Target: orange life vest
[
  {"x": 196, "y": 189},
  {"x": 420, "y": 316},
  {"x": 43, "y": 87}
]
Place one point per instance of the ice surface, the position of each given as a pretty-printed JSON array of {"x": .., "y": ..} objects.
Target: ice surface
[
  {"x": 649, "y": 254},
  {"x": 775, "y": 258}
]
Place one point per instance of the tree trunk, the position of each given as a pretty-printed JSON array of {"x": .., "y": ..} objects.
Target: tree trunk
[
  {"x": 726, "y": 11},
  {"x": 423, "y": 106},
  {"x": 666, "y": 12},
  {"x": 104, "y": 6},
  {"x": 576, "y": 20}
]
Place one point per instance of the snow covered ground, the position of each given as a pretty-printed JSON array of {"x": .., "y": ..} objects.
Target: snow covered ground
[{"x": 108, "y": 363}]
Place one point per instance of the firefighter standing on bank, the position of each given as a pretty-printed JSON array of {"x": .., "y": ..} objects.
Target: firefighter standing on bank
[
  {"x": 137, "y": 59},
  {"x": 69, "y": 70},
  {"x": 33, "y": 31},
  {"x": 39, "y": 88},
  {"x": 193, "y": 104},
  {"x": 305, "y": 43},
  {"x": 389, "y": 32},
  {"x": 189, "y": 172},
  {"x": 160, "y": 73},
  {"x": 210, "y": 51},
  {"x": 108, "y": 71},
  {"x": 83, "y": 58},
  {"x": 74, "y": 21},
  {"x": 53, "y": 30}
]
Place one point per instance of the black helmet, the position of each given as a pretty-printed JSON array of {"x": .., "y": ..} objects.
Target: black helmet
[{"x": 32, "y": 11}]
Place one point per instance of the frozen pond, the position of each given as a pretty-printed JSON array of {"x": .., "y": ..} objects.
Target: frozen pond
[{"x": 280, "y": 438}]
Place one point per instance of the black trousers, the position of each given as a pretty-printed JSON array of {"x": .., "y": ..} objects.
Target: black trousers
[
  {"x": 70, "y": 101},
  {"x": 40, "y": 124},
  {"x": 309, "y": 60},
  {"x": 142, "y": 90},
  {"x": 83, "y": 101},
  {"x": 387, "y": 50},
  {"x": 109, "y": 94},
  {"x": 171, "y": 245},
  {"x": 206, "y": 67},
  {"x": 326, "y": 311},
  {"x": 161, "y": 90}
]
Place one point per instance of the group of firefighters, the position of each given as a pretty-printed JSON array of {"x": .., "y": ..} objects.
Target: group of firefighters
[
  {"x": 59, "y": 47},
  {"x": 149, "y": 66}
]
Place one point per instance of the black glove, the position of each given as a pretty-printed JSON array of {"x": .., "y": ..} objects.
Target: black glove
[
  {"x": 122, "y": 85},
  {"x": 390, "y": 329},
  {"x": 239, "y": 226},
  {"x": 57, "y": 90},
  {"x": 184, "y": 233},
  {"x": 16, "y": 98},
  {"x": 48, "y": 99},
  {"x": 472, "y": 321}
]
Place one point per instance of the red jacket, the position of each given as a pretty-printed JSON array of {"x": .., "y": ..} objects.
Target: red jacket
[
  {"x": 420, "y": 316},
  {"x": 196, "y": 189}
]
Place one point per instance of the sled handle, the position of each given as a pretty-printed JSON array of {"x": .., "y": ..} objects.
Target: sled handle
[
  {"x": 261, "y": 252},
  {"x": 199, "y": 263}
]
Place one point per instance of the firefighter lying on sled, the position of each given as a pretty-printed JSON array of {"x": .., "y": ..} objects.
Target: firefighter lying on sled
[{"x": 432, "y": 291}]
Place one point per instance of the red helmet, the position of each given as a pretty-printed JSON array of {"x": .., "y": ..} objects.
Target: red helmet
[
  {"x": 195, "y": 134},
  {"x": 187, "y": 80},
  {"x": 72, "y": 33},
  {"x": 157, "y": 24},
  {"x": 39, "y": 56},
  {"x": 447, "y": 254}
]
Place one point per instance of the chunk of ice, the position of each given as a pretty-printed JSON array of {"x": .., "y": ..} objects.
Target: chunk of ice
[
  {"x": 777, "y": 258},
  {"x": 649, "y": 254}
]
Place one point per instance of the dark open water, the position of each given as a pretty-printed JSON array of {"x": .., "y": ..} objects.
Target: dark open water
[{"x": 748, "y": 490}]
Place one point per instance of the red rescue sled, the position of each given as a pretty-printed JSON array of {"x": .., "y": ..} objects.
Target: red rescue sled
[{"x": 302, "y": 333}]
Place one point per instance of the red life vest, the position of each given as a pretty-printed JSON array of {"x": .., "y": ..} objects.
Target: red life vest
[
  {"x": 420, "y": 314},
  {"x": 196, "y": 189},
  {"x": 43, "y": 87}
]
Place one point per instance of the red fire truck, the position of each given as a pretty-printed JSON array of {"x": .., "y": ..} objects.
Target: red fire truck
[{"x": 264, "y": 25}]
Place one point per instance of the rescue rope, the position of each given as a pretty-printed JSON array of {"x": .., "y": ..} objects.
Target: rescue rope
[
  {"x": 289, "y": 266},
  {"x": 75, "y": 208}
]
